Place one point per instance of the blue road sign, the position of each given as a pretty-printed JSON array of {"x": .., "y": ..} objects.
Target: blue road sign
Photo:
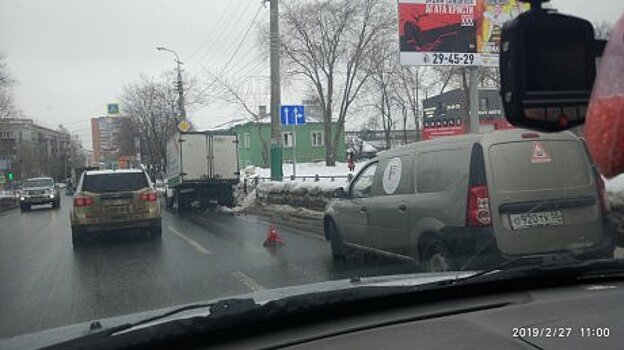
[
  {"x": 112, "y": 108},
  {"x": 292, "y": 115}
]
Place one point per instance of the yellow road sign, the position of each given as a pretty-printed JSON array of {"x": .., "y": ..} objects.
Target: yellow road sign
[{"x": 184, "y": 126}]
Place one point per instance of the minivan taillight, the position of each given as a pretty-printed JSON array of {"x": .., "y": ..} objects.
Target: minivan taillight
[
  {"x": 149, "y": 196},
  {"x": 602, "y": 194},
  {"x": 83, "y": 201},
  {"x": 478, "y": 208}
]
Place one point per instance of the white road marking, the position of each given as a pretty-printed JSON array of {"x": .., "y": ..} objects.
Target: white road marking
[
  {"x": 248, "y": 281},
  {"x": 200, "y": 248}
]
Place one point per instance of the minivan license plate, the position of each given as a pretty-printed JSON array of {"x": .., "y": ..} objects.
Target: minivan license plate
[{"x": 534, "y": 220}]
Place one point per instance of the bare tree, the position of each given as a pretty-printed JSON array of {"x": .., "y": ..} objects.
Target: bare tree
[
  {"x": 603, "y": 30},
  {"x": 249, "y": 98},
  {"x": 380, "y": 90},
  {"x": 328, "y": 42},
  {"x": 7, "y": 105},
  {"x": 407, "y": 85},
  {"x": 152, "y": 107}
]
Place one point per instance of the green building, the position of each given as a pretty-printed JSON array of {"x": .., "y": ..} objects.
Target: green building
[{"x": 307, "y": 144}]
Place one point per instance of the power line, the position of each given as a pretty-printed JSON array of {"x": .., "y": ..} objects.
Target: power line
[
  {"x": 229, "y": 61},
  {"x": 220, "y": 38},
  {"x": 212, "y": 35}
]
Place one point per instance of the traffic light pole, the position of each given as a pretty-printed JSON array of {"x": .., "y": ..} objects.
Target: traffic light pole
[
  {"x": 276, "y": 133},
  {"x": 474, "y": 99}
]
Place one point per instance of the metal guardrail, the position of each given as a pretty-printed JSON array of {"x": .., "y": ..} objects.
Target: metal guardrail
[{"x": 315, "y": 178}]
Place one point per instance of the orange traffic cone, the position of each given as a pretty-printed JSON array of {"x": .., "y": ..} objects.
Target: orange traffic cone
[{"x": 273, "y": 237}]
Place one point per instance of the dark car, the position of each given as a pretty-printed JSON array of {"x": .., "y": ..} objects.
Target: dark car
[{"x": 39, "y": 190}]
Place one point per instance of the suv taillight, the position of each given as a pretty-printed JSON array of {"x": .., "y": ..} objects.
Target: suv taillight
[
  {"x": 149, "y": 196},
  {"x": 602, "y": 194},
  {"x": 478, "y": 209},
  {"x": 83, "y": 201}
]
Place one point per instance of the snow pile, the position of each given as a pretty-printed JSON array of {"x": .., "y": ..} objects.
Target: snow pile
[
  {"x": 8, "y": 194},
  {"x": 310, "y": 170},
  {"x": 615, "y": 190},
  {"x": 310, "y": 195}
]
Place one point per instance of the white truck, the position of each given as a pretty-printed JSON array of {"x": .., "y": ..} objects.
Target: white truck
[{"x": 202, "y": 168}]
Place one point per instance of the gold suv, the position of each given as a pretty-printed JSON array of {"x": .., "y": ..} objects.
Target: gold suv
[{"x": 111, "y": 200}]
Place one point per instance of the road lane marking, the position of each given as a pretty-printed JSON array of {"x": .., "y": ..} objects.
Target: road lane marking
[
  {"x": 200, "y": 248},
  {"x": 248, "y": 281}
]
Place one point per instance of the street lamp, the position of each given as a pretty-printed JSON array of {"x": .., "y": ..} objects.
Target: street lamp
[{"x": 180, "y": 85}]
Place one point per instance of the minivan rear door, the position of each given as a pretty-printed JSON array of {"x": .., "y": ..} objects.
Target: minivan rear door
[{"x": 543, "y": 195}]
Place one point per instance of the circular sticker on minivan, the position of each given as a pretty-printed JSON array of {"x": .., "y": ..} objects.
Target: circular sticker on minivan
[{"x": 392, "y": 175}]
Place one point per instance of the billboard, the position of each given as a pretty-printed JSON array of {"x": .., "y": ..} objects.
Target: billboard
[{"x": 453, "y": 32}]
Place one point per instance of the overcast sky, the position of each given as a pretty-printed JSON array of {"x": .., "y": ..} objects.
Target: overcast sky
[{"x": 72, "y": 57}]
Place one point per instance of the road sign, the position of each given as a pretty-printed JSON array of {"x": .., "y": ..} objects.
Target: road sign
[
  {"x": 112, "y": 108},
  {"x": 292, "y": 115},
  {"x": 184, "y": 126}
]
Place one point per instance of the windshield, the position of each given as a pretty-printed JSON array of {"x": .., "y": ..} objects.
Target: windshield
[
  {"x": 38, "y": 183},
  {"x": 207, "y": 157}
]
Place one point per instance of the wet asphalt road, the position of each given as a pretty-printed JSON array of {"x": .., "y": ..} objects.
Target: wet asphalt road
[{"x": 46, "y": 283}]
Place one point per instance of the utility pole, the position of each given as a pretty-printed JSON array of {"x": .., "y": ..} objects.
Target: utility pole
[
  {"x": 474, "y": 99},
  {"x": 276, "y": 132},
  {"x": 179, "y": 84}
]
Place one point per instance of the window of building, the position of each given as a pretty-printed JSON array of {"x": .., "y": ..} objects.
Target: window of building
[
  {"x": 288, "y": 139},
  {"x": 483, "y": 104},
  {"x": 317, "y": 139},
  {"x": 6, "y": 134},
  {"x": 245, "y": 140}
]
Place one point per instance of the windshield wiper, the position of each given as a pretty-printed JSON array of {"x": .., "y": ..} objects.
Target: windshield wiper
[{"x": 532, "y": 264}]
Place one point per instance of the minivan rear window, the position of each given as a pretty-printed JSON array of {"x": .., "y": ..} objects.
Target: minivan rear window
[
  {"x": 537, "y": 165},
  {"x": 119, "y": 182}
]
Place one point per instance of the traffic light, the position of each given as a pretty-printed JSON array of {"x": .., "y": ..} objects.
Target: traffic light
[{"x": 10, "y": 176}]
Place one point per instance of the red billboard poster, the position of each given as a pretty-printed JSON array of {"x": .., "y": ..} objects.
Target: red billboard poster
[
  {"x": 436, "y": 132},
  {"x": 453, "y": 32}
]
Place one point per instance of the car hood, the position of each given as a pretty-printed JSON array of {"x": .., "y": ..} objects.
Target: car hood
[{"x": 58, "y": 335}]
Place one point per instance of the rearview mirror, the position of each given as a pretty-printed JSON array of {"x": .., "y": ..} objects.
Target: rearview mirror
[
  {"x": 547, "y": 68},
  {"x": 340, "y": 193}
]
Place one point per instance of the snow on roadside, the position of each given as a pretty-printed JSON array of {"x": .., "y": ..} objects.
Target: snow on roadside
[
  {"x": 615, "y": 191},
  {"x": 310, "y": 169},
  {"x": 294, "y": 211}
]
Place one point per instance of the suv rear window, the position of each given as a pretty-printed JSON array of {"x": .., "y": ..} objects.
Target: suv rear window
[
  {"x": 528, "y": 166},
  {"x": 120, "y": 182}
]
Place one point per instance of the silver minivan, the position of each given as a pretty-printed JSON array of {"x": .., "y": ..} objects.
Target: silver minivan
[{"x": 452, "y": 203}]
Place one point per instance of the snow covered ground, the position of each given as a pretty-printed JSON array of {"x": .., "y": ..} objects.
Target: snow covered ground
[
  {"x": 615, "y": 191},
  {"x": 309, "y": 169}
]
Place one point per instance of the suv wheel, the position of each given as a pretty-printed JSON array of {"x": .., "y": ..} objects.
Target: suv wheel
[
  {"x": 77, "y": 237},
  {"x": 437, "y": 257}
]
